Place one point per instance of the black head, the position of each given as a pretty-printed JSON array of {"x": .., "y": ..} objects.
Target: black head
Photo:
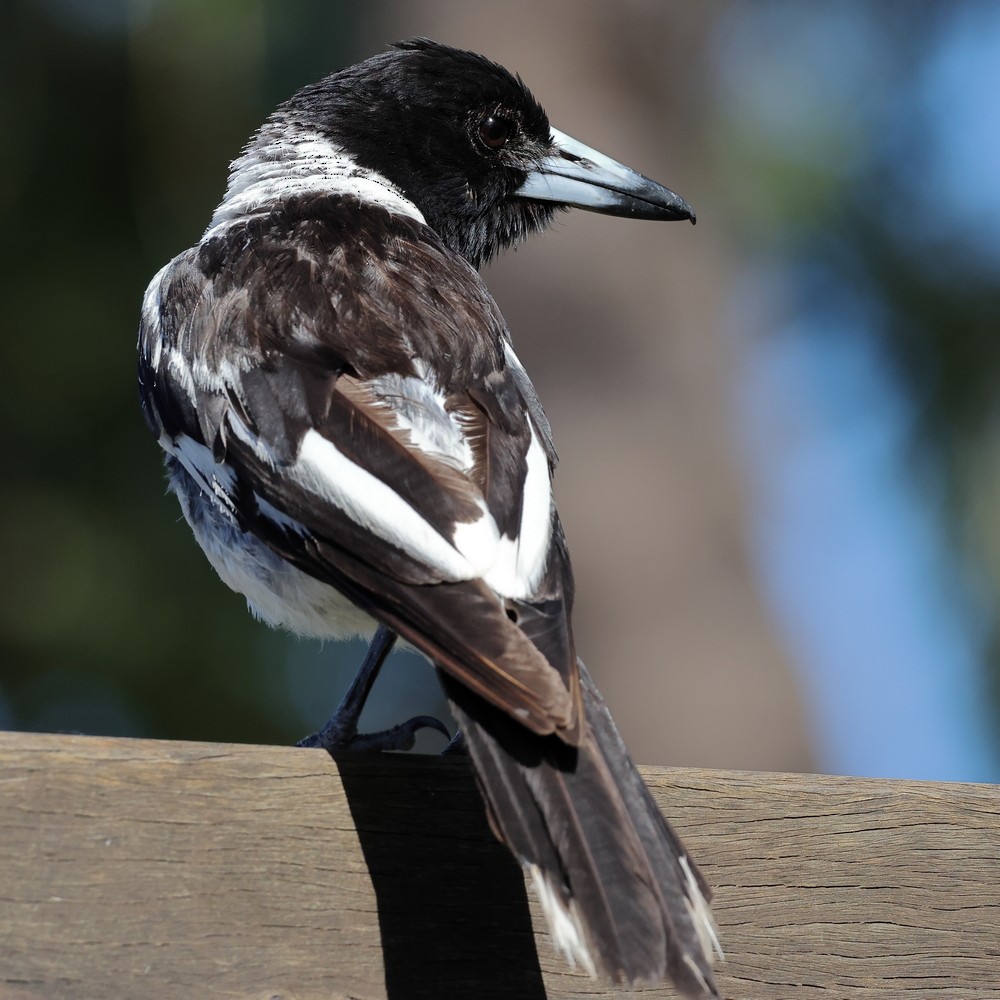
[{"x": 464, "y": 140}]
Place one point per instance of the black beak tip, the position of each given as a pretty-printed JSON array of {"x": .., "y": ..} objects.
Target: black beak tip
[
  {"x": 677, "y": 208},
  {"x": 686, "y": 212}
]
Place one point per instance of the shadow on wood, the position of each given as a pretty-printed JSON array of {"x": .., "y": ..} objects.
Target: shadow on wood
[
  {"x": 172, "y": 871},
  {"x": 450, "y": 898}
]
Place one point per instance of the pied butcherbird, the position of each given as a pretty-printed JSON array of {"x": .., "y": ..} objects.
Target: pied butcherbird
[{"x": 358, "y": 450}]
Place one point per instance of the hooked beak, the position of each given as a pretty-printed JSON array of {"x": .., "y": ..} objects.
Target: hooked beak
[{"x": 576, "y": 175}]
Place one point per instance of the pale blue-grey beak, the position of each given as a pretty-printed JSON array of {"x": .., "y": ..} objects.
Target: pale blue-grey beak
[{"x": 576, "y": 175}]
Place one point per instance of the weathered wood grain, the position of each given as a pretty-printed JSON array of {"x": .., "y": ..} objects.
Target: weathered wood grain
[{"x": 156, "y": 870}]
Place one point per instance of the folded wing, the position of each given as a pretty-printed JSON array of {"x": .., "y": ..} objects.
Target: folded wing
[{"x": 292, "y": 378}]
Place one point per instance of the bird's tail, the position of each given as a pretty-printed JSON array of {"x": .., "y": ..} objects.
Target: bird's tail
[{"x": 622, "y": 898}]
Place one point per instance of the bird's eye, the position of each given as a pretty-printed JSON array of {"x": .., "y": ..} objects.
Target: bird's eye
[{"x": 495, "y": 130}]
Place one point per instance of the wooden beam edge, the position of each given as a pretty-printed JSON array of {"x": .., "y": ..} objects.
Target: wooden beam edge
[{"x": 146, "y": 867}]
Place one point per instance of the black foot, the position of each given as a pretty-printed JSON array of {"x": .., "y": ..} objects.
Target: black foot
[
  {"x": 337, "y": 739},
  {"x": 340, "y": 734}
]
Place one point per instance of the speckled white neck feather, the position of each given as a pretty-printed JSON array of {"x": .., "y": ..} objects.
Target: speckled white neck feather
[{"x": 282, "y": 164}]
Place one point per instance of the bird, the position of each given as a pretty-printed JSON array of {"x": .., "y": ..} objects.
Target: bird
[{"x": 359, "y": 452}]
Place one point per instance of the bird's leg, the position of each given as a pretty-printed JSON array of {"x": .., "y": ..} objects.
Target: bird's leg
[{"x": 341, "y": 734}]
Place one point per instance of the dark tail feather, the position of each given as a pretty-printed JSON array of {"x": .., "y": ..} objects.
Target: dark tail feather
[{"x": 622, "y": 898}]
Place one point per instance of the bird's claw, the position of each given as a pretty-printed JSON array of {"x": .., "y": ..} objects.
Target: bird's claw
[
  {"x": 334, "y": 739},
  {"x": 401, "y": 737}
]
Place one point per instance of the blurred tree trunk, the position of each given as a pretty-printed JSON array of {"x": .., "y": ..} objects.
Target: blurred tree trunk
[{"x": 621, "y": 326}]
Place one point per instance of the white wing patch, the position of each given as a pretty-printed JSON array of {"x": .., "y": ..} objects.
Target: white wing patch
[
  {"x": 418, "y": 407},
  {"x": 520, "y": 562},
  {"x": 511, "y": 566},
  {"x": 260, "y": 448},
  {"x": 324, "y": 470},
  {"x": 217, "y": 479}
]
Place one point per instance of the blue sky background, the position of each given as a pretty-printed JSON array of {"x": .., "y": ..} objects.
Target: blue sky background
[{"x": 854, "y": 553}]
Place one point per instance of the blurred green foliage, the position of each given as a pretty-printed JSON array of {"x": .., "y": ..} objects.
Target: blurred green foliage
[{"x": 110, "y": 619}]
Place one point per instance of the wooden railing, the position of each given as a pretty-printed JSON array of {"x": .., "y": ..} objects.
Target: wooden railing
[{"x": 147, "y": 870}]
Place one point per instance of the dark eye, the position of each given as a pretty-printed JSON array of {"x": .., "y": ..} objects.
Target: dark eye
[{"x": 495, "y": 130}]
